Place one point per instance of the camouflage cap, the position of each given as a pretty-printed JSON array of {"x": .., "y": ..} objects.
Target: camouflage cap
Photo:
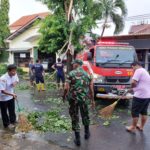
[{"x": 77, "y": 61}]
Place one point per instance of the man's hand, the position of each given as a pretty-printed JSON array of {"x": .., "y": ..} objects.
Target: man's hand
[
  {"x": 130, "y": 90},
  {"x": 14, "y": 96},
  {"x": 14, "y": 84},
  {"x": 133, "y": 83},
  {"x": 66, "y": 89}
]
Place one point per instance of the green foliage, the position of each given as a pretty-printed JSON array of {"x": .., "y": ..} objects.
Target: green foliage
[
  {"x": 20, "y": 71},
  {"x": 55, "y": 29},
  {"x": 115, "y": 10},
  {"x": 106, "y": 123},
  {"x": 56, "y": 101},
  {"x": 4, "y": 56},
  {"x": 23, "y": 86},
  {"x": 54, "y": 32},
  {"x": 4, "y": 21},
  {"x": 3, "y": 69},
  {"x": 49, "y": 121}
]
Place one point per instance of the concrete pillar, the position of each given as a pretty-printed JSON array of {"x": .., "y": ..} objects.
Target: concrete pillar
[
  {"x": 32, "y": 53},
  {"x": 11, "y": 58},
  {"x": 35, "y": 53}
]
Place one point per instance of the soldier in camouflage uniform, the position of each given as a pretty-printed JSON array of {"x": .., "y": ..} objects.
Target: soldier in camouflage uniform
[{"x": 78, "y": 86}]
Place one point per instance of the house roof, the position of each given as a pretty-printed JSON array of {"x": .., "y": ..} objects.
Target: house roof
[
  {"x": 139, "y": 41},
  {"x": 126, "y": 37},
  {"x": 140, "y": 29},
  {"x": 24, "y": 23},
  {"x": 25, "y": 20}
]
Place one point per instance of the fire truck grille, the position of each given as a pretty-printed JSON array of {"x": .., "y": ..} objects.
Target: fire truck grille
[{"x": 118, "y": 79}]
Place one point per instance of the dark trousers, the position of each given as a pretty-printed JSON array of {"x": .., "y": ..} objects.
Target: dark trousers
[
  {"x": 8, "y": 112},
  {"x": 74, "y": 114}
]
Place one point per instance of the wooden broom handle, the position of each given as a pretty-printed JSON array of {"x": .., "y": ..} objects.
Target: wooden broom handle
[{"x": 122, "y": 96}]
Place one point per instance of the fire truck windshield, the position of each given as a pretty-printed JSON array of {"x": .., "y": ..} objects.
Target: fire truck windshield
[{"x": 114, "y": 55}]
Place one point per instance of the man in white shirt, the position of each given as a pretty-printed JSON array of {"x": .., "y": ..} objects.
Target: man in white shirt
[{"x": 7, "y": 96}]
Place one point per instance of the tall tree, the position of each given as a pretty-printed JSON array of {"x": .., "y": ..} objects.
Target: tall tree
[
  {"x": 4, "y": 21},
  {"x": 70, "y": 20},
  {"x": 114, "y": 10}
]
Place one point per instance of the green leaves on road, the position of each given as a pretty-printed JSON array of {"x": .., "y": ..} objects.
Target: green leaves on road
[{"x": 50, "y": 121}]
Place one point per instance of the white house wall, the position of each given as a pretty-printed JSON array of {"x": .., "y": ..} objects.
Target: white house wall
[
  {"x": 11, "y": 58},
  {"x": 19, "y": 41}
]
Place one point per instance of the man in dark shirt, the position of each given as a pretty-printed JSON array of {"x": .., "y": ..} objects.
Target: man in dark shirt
[
  {"x": 39, "y": 75},
  {"x": 60, "y": 72}
]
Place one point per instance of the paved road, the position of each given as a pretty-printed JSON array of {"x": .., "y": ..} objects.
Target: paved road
[{"x": 112, "y": 137}]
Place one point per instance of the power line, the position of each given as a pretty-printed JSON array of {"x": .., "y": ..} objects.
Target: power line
[{"x": 132, "y": 18}]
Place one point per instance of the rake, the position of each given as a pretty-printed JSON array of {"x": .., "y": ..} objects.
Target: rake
[{"x": 107, "y": 112}]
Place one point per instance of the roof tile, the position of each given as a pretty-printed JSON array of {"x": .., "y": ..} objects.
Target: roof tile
[
  {"x": 26, "y": 19},
  {"x": 139, "y": 29}
]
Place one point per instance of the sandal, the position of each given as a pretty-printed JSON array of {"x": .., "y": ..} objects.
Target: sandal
[
  {"x": 129, "y": 129},
  {"x": 139, "y": 128}
]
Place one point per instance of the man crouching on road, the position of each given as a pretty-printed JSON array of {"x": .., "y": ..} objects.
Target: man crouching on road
[
  {"x": 77, "y": 88},
  {"x": 141, "y": 85},
  {"x": 7, "y": 96}
]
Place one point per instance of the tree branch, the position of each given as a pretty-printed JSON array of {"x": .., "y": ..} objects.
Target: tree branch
[{"x": 70, "y": 9}]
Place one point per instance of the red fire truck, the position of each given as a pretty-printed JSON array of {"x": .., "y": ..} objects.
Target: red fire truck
[{"x": 110, "y": 65}]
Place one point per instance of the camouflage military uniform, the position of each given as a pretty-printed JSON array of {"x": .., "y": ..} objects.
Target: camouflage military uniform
[{"x": 79, "y": 82}]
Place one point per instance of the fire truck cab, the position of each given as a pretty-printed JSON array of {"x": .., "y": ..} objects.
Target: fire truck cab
[{"x": 109, "y": 63}]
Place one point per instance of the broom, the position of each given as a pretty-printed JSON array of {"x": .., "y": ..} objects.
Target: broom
[
  {"x": 23, "y": 124},
  {"x": 107, "y": 112}
]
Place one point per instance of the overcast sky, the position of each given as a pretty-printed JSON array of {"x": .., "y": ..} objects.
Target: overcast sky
[{"x": 19, "y": 8}]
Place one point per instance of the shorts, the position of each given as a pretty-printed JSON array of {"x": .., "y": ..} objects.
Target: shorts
[
  {"x": 31, "y": 76},
  {"x": 60, "y": 78},
  {"x": 139, "y": 106},
  {"x": 39, "y": 79}
]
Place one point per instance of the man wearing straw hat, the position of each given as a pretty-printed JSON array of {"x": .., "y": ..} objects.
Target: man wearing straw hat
[
  {"x": 77, "y": 88},
  {"x": 141, "y": 85}
]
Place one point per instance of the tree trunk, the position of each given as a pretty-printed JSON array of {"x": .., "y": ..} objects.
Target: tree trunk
[
  {"x": 69, "y": 60},
  {"x": 104, "y": 27},
  {"x": 70, "y": 9}
]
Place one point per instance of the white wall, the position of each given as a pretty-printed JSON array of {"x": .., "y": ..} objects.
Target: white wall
[
  {"x": 19, "y": 41},
  {"x": 11, "y": 58}
]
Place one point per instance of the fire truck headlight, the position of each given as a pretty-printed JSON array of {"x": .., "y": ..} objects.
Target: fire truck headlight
[{"x": 98, "y": 78}]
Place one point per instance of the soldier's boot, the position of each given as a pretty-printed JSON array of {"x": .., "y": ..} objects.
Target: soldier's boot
[
  {"x": 77, "y": 139},
  {"x": 87, "y": 132},
  {"x": 38, "y": 86},
  {"x": 42, "y": 87}
]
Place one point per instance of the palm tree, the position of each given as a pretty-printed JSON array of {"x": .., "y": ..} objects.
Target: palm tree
[{"x": 114, "y": 10}]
